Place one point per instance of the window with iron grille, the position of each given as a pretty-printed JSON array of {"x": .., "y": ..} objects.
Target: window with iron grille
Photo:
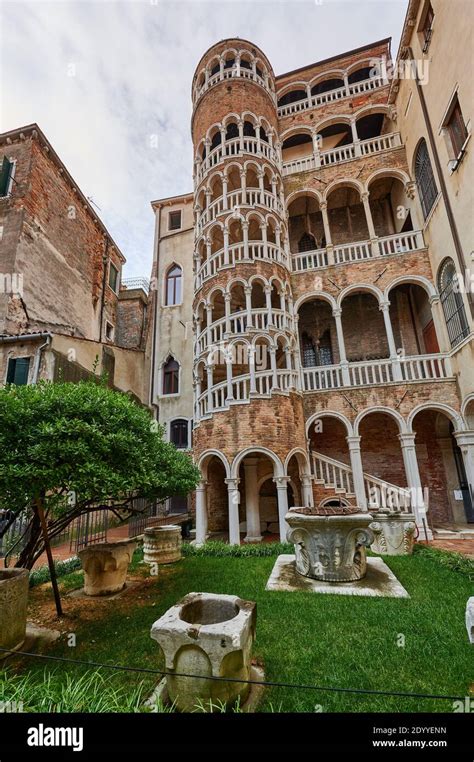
[
  {"x": 452, "y": 302},
  {"x": 179, "y": 433},
  {"x": 173, "y": 285},
  {"x": 307, "y": 242},
  {"x": 309, "y": 351},
  {"x": 425, "y": 181},
  {"x": 171, "y": 376}
]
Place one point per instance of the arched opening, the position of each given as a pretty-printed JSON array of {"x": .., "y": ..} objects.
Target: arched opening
[
  {"x": 326, "y": 85},
  {"x": 391, "y": 210},
  {"x": 360, "y": 75},
  {"x": 297, "y": 147},
  {"x": 306, "y": 226},
  {"x": 412, "y": 320},
  {"x": 335, "y": 135},
  {"x": 328, "y": 443},
  {"x": 292, "y": 97},
  {"x": 317, "y": 334},
  {"x": 258, "y": 508},
  {"x": 347, "y": 220},
  {"x": 174, "y": 278},
  {"x": 232, "y": 131},
  {"x": 442, "y": 471},
  {"x": 249, "y": 130},
  {"x": 217, "y": 303},
  {"x": 216, "y": 497},
  {"x": 371, "y": 126},
  {"x": 258, "y": 298},
  {"x": 382, "y": 458},
  {"x": 238, "y": 321},
  {"x": 170, "y": 376},
  {"x": 361, "y": 308}
]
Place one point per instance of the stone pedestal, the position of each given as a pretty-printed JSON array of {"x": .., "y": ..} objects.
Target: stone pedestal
[
  {"x": 330, "y": 543},
  {"x": 207, "y": 635},
  {"x": 470, "y": 619},
  {"x": 105, "y": 566},
  {"x": 394, "y": 533},
  {"x": 162, "y": 545},
  {"x": 14, "y": 585}
]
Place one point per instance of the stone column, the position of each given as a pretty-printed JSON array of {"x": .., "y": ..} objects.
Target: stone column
[
  {"x": 252, "y": 501},
  {"x": 327, "y": 233},
  {"x": 440, "y": 324},
  {"x": 228, "y": 330},
  {"x": 241, "y": 134},
  {"x": 234, "y": 500},
  {"x": 355, "y": 138},
  {"x": 268, "y": 304},
  {"x": 248, "y": 305},
  {"x": 307, "y": 491},
  {"x": 407, "y": 442},
  {"x": 316, "y": 150},
  {"x": 201, "y": 513},
  {"x": 465, "y": 440},
  {"x": 282, "y": 495},
  {"x": 370, "y": 225},
  {"x": 224, "y": 191},
  {"x": 263, "y": 228},
  {"x": 228, "y": 368},
  {"x": 253, "y": 382},
  {"x": 337, "y": 314},
  {"x": 273, "y": 366},
  {"x": 209, "y": 388},
  {"x": 245, "y": 235},
  {"x": 357, "y": 471},
  {"x": 226, "y": 244},
  {"x": 384, "y": 308}
]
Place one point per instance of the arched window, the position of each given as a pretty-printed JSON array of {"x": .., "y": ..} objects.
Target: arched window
[
  {"x": 174, "y": 285},
  {"x": 309, "y": 351},
  {"x": 307, "y": 242},
  {"x": 452, "y": 302},
  {"x": 424, "y": 178},
  {"x": 171, "y": 376},
  {"x": 232, "y": 131},
  {"x": 179, "y": 433}
]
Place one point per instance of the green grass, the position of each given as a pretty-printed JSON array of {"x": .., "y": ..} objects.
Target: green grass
[{"x": 338, "y": 641}]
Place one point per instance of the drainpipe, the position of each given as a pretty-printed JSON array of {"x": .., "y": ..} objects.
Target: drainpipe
[
  {"x": 444, "y": 191},
  {"x": 155, "y": 317},
  {"x": 102, "y": 298},
  {"x": 36, "y": 368}
]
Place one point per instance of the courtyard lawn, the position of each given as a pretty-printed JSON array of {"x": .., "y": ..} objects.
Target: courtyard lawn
[{"x": 302, "y": 638}]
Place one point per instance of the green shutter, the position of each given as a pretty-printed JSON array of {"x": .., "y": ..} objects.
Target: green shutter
[
  {"x": 18, "y": 369},
  {"x": 11, "y": 371},
  {"x": 5, "y": 174}
]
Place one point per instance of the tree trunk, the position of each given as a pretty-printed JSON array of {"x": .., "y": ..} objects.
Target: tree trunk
[{"x": 34, "y": 547}]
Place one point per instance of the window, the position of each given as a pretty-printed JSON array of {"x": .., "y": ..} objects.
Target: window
[
  {"x": 6, "y": 176},
  {"x": 452, "y": 302},
  {"x": 174, "y": 220},
  {"x": 455, "y": 128},
  {"x": 171, "y": 376},
  {"x": 179, "y": 433},
  {"x": 425, "y": 179},
  {"x": 309, "y": 351},
  {"x": 178, "y": 504},
  {"x": 18, "y": 370},
  {"x": 109, "y": 331},
  {"x": 173, "y": 285},
  {"x": 426, "y": 27},
  {"x": 113, "y": 277}
]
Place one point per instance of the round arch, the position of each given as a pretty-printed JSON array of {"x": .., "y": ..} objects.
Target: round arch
[
  {"x": 440, "y": 407},
  {"x": 329, "y": 414},
  {"x": 301, "y": 457},
  {"x": 416, "y": 280},
  {"x": 206, "y": 456},
  {"x": 278, "y": 466},
  {"x": 343, "y": 183},
  {"x": 402, "y": 426},
  {"x": 315, "y": 295},
  {"x": 357, "y": 287}
]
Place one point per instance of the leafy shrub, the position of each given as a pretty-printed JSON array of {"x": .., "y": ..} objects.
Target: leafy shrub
[
  {"x": 449, "y": 559},
  {"x": 217, "y": 549},
  {"x": 41, "y": 575}
]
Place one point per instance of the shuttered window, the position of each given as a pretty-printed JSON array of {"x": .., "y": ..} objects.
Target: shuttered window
[
  {"x": 5, "y": 176},
  {"x": 18, "y": 370},
  {"x": 452, "y": 302}
]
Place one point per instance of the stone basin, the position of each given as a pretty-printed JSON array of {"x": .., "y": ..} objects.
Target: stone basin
[
  {"x": 207, "y": 635},
  {"x": 330, "y": 543},
  {"x": 105, "y": 566},
  {"x": 14, "y": 585}
]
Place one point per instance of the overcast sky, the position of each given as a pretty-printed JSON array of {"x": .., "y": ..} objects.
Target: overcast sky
[{"x": 109, "y": 84}]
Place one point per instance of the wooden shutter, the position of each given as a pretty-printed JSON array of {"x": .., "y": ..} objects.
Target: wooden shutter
[{"x": 5, "y": 174}]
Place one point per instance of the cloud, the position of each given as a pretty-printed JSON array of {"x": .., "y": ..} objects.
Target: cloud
[{"x": 102, "y": 79}]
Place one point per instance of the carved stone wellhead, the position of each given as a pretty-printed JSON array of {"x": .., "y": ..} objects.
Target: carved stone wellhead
[{"x": 330, "y": 544}]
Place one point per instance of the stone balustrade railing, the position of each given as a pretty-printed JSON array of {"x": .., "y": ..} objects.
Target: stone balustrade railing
[
  {"x": 342, "y": 154},
  {"x": 378, "y": 372},
  {"x": 232, "y": 148},
  {"x": 240, "y": 252},
  {"x": 399, "y": 243},
  {"x": 321, "y": 99},
  {"x": 242, "y": 322},
  {"x": 242, "y": 389},
  {"x": 249, "y": 197},
  {"x": 233, "y": 73}
]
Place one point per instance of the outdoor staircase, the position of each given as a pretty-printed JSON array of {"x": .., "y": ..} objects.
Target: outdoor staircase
[{"x": 335, "y": 477}]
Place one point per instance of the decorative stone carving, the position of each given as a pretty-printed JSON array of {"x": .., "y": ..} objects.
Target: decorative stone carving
[
  {"x": 162, "y": 545},
  {"x": 13, "y": 603},
  {"x": 330, "y": 543},
  {"x": 207, "y": 635},
  {"x": 470, "y": 619},
  {"x": 105, "y": 566},
  {"x": 394, "y": 533}
]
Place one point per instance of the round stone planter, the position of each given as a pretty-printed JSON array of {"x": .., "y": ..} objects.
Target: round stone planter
[
  {"x": 394, "y": 533},
  {"x": 162, "y": 545},
  {"x": 105, "y": 566},
  {"x": 330, "y": 545},
  {"x": 14, "y": 585},
  {"x": 207, "y": 635}
]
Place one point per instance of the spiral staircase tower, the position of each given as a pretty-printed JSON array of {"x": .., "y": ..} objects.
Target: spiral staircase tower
[{"x": 247, "y": 375}]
